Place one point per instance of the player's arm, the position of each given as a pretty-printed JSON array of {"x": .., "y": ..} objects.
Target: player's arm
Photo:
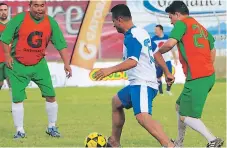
[
  {"x": 8, "y": 35},
  {"x": 133, "y": 52},
  {"x": 175, "y": 36},
  {"x": 159, "y": 58},
  {"x": 161, "y": 62},
  {"x": 212, "y": 48},
  {"x": 174, "y": 55},
  {"x": 58, "y": 40},
  {"x": 60, "y": 44}
]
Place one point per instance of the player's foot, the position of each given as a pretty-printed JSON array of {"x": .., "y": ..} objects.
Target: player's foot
[
  {"x": 177, "y": 143},
  {"x": 53, "y": 131},
  {"x": 111, "y": 143},
  {"x": 161, "y": 94},
  {"x": 169, "y": 93},
  {"x": 218, "y": 142},
  {"x": 19, "y": 135}
]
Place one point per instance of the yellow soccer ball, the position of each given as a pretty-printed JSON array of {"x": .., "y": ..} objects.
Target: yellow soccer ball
[{"x": 95, "y": 140}]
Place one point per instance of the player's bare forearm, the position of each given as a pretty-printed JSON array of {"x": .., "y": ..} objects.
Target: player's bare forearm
[
  {"x": 168, "y": 45},
  {"x": 160, "y": 61},
  {"x": 213, "y": 55},
  {"x": 126, "y": 65},
  {"x": 64, "y": 56}
]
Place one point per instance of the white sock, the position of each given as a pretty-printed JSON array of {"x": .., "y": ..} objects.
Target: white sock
[
  {"x": 52, "y": 111},
  {"x": 18, "y": 116},
  {"x": 199, "y": 126},
  {"x": 181, "y": 129}
]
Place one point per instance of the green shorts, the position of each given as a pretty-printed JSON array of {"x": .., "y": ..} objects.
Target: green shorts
[
  {"x": 193, "y": 96},
  {"x": 2, "y": 71},
  {"x": 21, "y": 75}
]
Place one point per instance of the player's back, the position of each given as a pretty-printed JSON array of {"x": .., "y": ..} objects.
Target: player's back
[
  {"x": 159, "y": 41},
  {"x": 144, "y": 73},
  {"x": 195, "y": 49}
]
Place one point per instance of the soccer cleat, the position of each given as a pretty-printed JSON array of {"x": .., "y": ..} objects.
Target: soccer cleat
[
  {"x": 218, "y": 142},
  {"x": 53, "y": 132},
  {"x": 19, "y": 135},
  {"x": 161, "y": 94},
  {"x": 169, "y": 93},
  {"x": 109, "y": 145}
]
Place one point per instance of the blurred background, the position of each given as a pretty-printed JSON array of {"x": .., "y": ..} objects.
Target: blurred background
[
  {"x": 146, "y": 14},
  {"x": 83, "y": 110}
]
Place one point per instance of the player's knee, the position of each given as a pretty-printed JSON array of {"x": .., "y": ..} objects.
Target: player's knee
[
  {"x": 142, "y": 118},
  {"x": 182, "y": 118},
  {"x": 116, "y": 103},
  {"x": 50, "y": 99}
]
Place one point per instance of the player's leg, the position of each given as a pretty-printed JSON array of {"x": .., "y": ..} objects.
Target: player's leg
[
  {"x": 19, "y": 81},
  {"x": 168, "y": 87},
  {"x": 10, "y": 90},
  {"x": 192, "y": 105},
  {"x": 181, "y": 125},
  {"x": 142, "y": 97},
  {"x": 119, "y": 102},
  {"x": 42, "y": 78},
  {"x": 159, "y": 73},
  {"x": 2, "y": 77},
  {"x": 7, "y": 80}
]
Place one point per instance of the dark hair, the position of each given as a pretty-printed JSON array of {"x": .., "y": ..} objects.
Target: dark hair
[
  {"x": 31, "y": 2},
  {"x": 177, "y": 6},
  {"x": 159, "y": 26},
  {"x": 1, "y": 4},
  {"x": 121, "y": 10}
]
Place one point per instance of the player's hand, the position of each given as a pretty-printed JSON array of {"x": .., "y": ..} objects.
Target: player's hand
[
  {"x": 169, "y": 79},
  {"x": 9, "y": 62},
  {"x": 68, "y": 71},
  {"x": 102, "y": 73}
]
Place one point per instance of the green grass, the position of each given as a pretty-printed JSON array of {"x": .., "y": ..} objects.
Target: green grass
[{"x": 86, "y": 110}]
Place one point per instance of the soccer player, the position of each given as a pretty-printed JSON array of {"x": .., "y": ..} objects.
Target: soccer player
[
  {"x": 159, "y": 39},
  {"x": 3, "y": 22},
  {"x": 139, "y": 64},
  {"x": 31, "y": 32},
  {"x": 197, "y": 54}
]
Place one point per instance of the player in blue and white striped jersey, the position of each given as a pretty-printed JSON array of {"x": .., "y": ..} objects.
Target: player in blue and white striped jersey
[{"x": 139, "y": 65}]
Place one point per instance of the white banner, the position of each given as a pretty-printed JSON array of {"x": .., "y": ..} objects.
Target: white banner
[{"x": 83, "y": 78}]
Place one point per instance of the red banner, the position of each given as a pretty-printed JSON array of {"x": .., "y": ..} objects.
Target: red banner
[{"x": 69, "y": 15}]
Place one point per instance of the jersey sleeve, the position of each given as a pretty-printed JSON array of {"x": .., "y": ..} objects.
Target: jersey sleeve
[
  {"x": 57, "y": 37},
  {"x": 134, "y": 48},
  {"x": 178, "y": 31},
  {"x": 211, "y": 41},
  {"x": 9, "y": 32}
]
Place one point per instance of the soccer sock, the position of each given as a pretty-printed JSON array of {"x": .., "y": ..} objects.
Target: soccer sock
[
  {"x": 1, "y": 87},
  {"x": 199, "y": 126},
  {"x": 52, "y": 111},
  {"x": 18, "y": 116},
  {"x": 181, "y": 129},
  {"x": 160, "y": 87},
  {"x": 168, "y": 87}
]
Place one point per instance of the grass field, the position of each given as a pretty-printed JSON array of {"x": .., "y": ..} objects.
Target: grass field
[{"x": 86, "y": 110}]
